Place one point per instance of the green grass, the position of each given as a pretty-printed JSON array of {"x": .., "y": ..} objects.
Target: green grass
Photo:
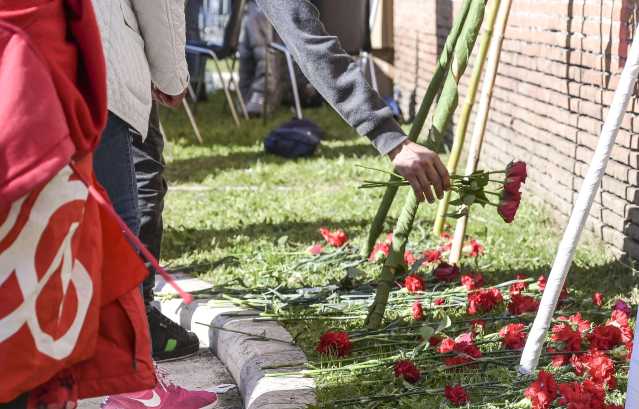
[{"x": 256, "y": 214}]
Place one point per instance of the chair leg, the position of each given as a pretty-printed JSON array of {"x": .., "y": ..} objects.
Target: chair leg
[
  {"x": 229, "y": 99},
  {"x": 236, "y": 87},
  {"x": 291, "y": 74},
  {"x": 192, "y": 120}
]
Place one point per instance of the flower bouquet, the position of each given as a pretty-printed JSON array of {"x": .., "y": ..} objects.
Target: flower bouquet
[{"x": 478, "y": 188}]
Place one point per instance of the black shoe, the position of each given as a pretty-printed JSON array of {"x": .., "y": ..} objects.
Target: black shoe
[{"x": 170, "y": 341}]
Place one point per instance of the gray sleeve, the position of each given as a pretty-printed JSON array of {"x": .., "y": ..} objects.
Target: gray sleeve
[{"x": 333, "y": 72}]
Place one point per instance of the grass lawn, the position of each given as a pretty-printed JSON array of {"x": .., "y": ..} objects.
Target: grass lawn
[{"x": 241, "y": 218}]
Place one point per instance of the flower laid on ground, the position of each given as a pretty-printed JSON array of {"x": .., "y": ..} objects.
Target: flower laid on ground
[
  {"x": 605, "y": 337},
  {"x": 414, "y": 283},
  {"x": 597, "y": 299},
  {"x": 335, "y": 343},
  {"x": 417, "y": 311},
  {"x": 513, "y": 336},
  {"x": 541, "y": 284},
  {"x": 472, "y": 282},
  {"x": 439, "y": 301},
  {"x": 408, "y": 371},
  {"x": 519, "y": 287},
  {"x": 621, "y": 305},
  {"x": 432, "y": 256},
  {"x": 456, "y": 395},
  {"x": 474, "y": 248},
  {"x": 380, "y": 252},
  {"x": 521, "y": 304},
  {"x": 464, "y": 347},
  {"x": 569, "y": 338},
  {"x": 409, "y": 258},
  {"x": 335, "y": 238},
  {"x": 484, "y": 300},
  {"x": 446, "y": 272},
  {"x": 315, "y": 250},
  {"x": 543, "y": 392}
]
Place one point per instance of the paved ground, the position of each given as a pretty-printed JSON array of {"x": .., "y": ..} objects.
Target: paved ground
[{"x": 203, "y": 371}]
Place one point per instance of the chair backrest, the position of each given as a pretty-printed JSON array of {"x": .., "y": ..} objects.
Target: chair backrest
[
  {"x": 221, "y": 23},
  {"x": 348, "y": 20}
]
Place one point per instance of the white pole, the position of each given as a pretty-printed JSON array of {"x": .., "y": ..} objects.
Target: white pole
[{"x": 568, "y": 245}]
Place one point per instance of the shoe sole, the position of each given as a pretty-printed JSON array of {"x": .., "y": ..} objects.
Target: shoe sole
[{"x": 176, "y": 358}]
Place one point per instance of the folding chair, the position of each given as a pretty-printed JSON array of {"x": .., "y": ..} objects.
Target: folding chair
[
  {"x": 221, "y": 23},
  {"x": 338, "y": 17}
]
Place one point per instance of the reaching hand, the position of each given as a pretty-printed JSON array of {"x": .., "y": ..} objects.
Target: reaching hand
[
  {"x": 422, "y": 168},
  {"x": 170, "y": 101}
]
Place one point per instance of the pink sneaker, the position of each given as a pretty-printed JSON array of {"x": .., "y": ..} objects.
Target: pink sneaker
[{"x": 164, "y": 396}]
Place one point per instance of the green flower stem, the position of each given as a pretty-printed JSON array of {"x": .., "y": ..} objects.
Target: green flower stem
[
  {"x": 462, "y": 125},
  {"x": 434, "y": 87},
  {"x": 445, "y": 107}
]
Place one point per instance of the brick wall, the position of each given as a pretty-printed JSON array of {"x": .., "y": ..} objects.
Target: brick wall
[{"x": 560, "y": 65}]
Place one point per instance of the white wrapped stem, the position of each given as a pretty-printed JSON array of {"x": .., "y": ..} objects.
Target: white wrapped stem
[
  {"x": 568, "y": 245},
  {"x": 632, "y": 397}
]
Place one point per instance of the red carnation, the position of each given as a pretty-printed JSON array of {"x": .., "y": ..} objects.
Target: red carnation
[
  {"x": 414, "y": 283},
  {"x": 515, "y": 175},
  {"x": 446, "y": 272},
  {"x": 513, "y": 336},
  {"x": 558, "y": 359},
  {"x": 618, "y": 318},
  {"x": 456, "y": 395},
  {"x": 432, "y": 256},
  {"x": 597, "y": 299},
  {"x": 477, "y": 326},
  {"x": 586, "y": 395},
  {"x": 434, "y": 341},
  {"x": 407, "y": 370},
  {"x": 521, "y": 304},
  {"x": 508, "y": 205},
  {"x": 605, "y": 337},
  {"x": 475, "y": 248},
  {"x": 464, "y": 347},
  {"x": 380, "y": 252},
  {"x": 601, "y": 369},
  {"x": 472, "y": 282},
  {"x": 568, "y": 336},
  {"x": 409, "y": 258},
  {"x": 335, "y": 343},
  {"x": 439, "y": 301},
  {"x": 315, "y": 250},
  {"x": 483, "y": 300},
  {"x": 417, "y": 311},
  {"x": 543, "y": 391},
  {"x": 541, "y": 284},
  {"x": 335, "y": 238},
  {"x": 577, "y": 321},
  {"x": 621, "y": 305}
]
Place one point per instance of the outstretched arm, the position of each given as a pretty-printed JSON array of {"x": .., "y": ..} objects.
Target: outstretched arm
[{"x": 340, "y": 81}]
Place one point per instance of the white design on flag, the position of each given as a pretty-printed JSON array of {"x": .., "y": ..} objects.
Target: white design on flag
[{"x": 20, "y": 260}]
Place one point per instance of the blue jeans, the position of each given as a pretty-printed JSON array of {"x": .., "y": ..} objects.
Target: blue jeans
[{"x": 114, "y": 169}]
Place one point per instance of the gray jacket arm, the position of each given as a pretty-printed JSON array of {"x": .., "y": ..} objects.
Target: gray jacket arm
[
  {"x": 162, "y": 26},
  {"x": 333, "y": 72}
]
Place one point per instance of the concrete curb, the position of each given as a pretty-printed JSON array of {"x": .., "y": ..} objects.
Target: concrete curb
[{"x": 243, "y": 355}]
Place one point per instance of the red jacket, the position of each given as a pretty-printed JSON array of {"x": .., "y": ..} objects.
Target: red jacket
[{"x": 72, "y": 321}]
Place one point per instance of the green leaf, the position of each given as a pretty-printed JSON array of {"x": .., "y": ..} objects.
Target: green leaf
[
  {"x": 445, "y": 323},
  {"x": 426, "y": 332}
]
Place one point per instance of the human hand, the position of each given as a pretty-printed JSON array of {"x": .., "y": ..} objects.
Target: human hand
[
  {"x": 422, "y": 168},
  {"x": 170, "y": 101}
]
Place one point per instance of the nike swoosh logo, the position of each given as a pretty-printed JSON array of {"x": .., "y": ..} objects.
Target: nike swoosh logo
[{"x": 154, "y": 402}]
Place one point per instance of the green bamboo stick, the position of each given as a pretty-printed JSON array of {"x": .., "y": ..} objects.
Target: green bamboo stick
[
  {"x": 462, "y": 125},
  {"x": 445, "y": 108},
  {"x": 418, "y": 124}
]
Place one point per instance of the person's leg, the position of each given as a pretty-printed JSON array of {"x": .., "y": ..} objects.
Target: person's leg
[
  {"x": 169, "y": 340},
  {"x": 113, "y": 165}
]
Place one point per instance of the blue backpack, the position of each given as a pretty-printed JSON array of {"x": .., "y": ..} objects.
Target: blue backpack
[{"x": 297, "y": 138}]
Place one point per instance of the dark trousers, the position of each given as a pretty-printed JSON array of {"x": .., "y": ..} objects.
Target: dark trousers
[
  {"x": 114, "y": 169},
  {"x": 151, "y": 186}
]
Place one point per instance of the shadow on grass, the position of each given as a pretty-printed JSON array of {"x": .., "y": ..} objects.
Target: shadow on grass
[
  {"x": 182, "y": 240},
  {"x": 197, "y": 169}
]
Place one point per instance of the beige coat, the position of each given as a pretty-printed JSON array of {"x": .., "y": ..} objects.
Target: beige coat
[{"x": 144, "y": 43}]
